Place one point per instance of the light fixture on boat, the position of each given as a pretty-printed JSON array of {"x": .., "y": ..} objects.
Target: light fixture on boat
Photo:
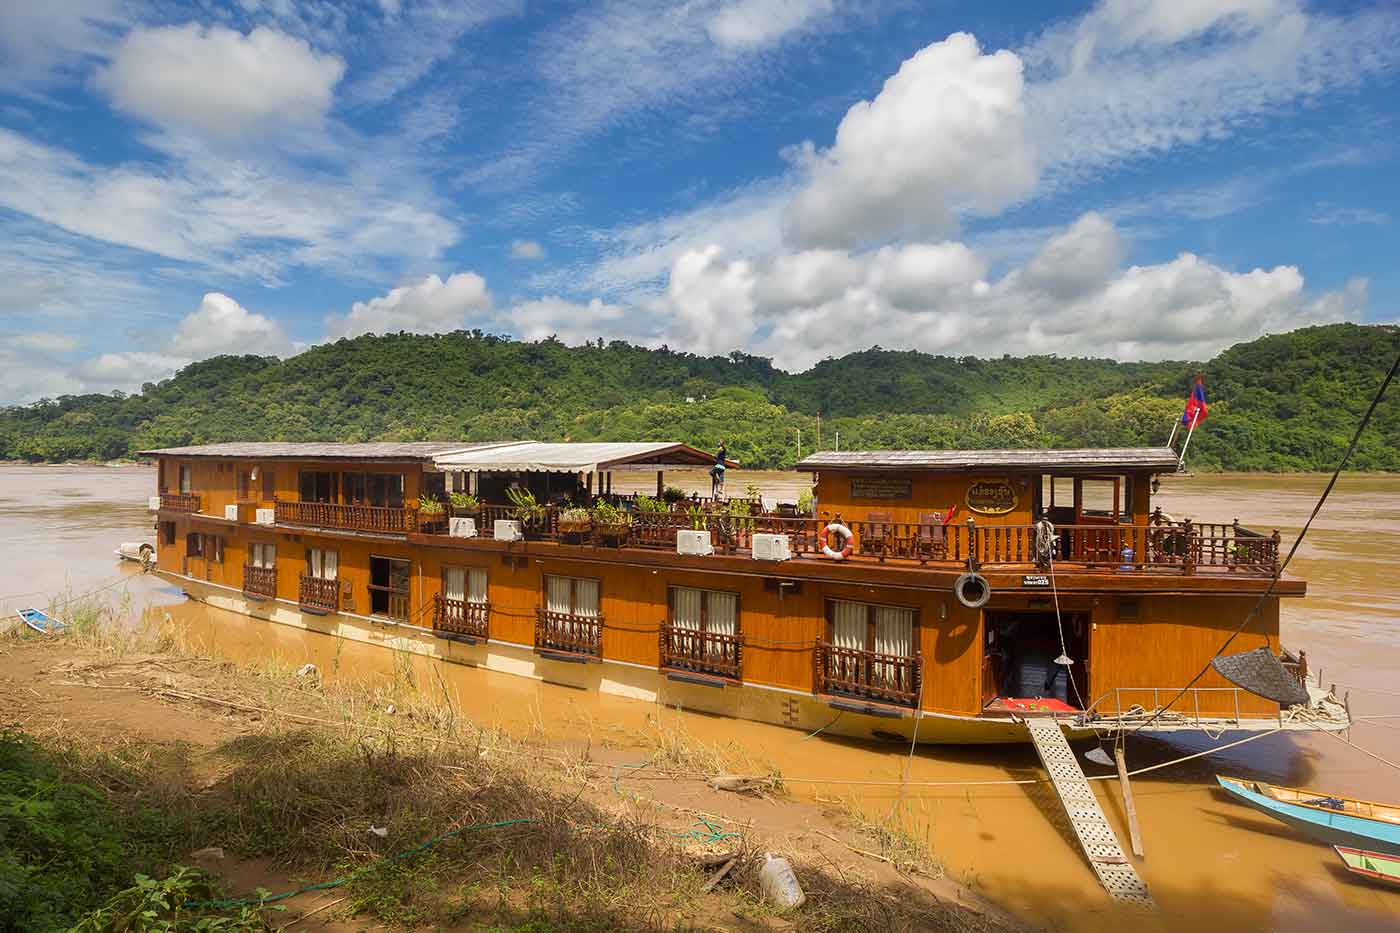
[{"x": 1064, "y": 660}]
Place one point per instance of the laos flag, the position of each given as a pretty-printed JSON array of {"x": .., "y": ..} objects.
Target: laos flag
[{"x": 1195, "y": 404}]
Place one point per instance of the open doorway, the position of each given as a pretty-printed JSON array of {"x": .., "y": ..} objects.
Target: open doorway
[
  {"x": 1021, "y": 647},
  {"x": 388, "y": 588}
]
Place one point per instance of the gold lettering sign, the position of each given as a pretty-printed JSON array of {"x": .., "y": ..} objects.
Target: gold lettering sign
[
  {"x": 880, "y": 487},
  {"x": 991, "y": 497}
]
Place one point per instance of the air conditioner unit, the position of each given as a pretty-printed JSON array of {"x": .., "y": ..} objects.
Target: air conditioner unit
[
  {"x": 693, "y": 542},
  {"x": 231, "y": 513},
  {"x": 771, "y": 547},
  {"x": 461, "y": 527},
  {"x": 507, "y": 530},
  {"x": 265, "y": 516},
  {"x": 153, "y": 503}
]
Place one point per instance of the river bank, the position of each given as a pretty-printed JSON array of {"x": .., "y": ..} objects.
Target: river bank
[{"x": 273, "y": 781}]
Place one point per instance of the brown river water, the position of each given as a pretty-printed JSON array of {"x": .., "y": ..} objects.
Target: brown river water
[{"x": 1211, "y": 864}]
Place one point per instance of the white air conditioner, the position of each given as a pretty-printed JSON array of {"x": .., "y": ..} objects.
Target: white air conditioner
[
  {"x": 153, "y": 503},
  {"x": 265, "y": 516},
  {"x": 693, "y": 542},
  {"x": 461, "y": 527},
  {"x": 507, "y": 530},
  {"x": 771, "y": 547},
  {"x": 231, "y": 513}
]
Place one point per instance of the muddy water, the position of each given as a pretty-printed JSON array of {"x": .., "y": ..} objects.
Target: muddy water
[{"x": 1211, "y": 864}]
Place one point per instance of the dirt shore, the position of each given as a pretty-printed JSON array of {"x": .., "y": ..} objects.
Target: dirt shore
[{"x": 188, "y": 716}]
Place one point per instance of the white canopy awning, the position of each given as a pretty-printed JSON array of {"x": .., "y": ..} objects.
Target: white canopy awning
[{"x": 534, "y": 457}]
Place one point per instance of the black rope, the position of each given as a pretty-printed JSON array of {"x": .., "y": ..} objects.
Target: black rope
[{"x": 1278, "y": 574}]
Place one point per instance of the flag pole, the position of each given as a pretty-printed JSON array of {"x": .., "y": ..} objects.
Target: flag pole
[
  {"x": 1181, "y": 461},
  {"x": 1176, "y": 423}
]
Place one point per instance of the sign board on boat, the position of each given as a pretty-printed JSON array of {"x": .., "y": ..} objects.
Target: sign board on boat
[
  {"x": 880, "y": 487},
  {"x": 1035, "y": 579},
  {"x": 991, "y": 497}
]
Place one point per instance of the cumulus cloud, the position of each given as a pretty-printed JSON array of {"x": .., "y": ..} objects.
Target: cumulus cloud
[
  {"x": 44, "y": 42},
  {"x": 526, "y": 249},
  {"x": 947, "y": 132},
  {"x": 219, "y": 81},
  {"x": 748, "y": 23},
  {"x": 431, "y": 306},
  {"x": 572, "y": 322}
]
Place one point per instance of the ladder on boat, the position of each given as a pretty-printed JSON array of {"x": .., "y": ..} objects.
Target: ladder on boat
[{"x": 1097, "y": 838}]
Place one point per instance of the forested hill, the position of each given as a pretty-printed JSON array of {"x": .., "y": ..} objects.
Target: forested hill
[{"x": 1284, "y": 402}]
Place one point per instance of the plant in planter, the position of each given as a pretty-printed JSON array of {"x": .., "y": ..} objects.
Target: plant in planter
[
  {"x": 464, "y": 503},
  {"x": 698, "y": 519},
  {"x": 575, "y": 521},
  {"x": 525, "y": 508},
  {"x": 648, "y": 505},
  {"x": 610, "y": 521},
  {"x": 671, "y": 495},
  {"x": 431, "y": 512},
  {"x": 805, "y": 503}
]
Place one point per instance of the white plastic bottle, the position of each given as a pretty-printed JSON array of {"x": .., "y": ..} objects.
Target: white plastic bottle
[{"x": 779, "y": 883}]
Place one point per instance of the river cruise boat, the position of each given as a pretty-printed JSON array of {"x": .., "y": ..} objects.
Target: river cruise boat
[{"x": 927, "y": 594}]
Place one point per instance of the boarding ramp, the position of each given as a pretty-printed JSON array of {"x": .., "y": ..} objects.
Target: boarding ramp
[{"x": 1097, "y": 838}]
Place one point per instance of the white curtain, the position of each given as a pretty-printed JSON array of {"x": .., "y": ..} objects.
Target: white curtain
[
  {"x": 330, "y": 565},
  {"x": 723, "y": 613},
  {"x": 894, "y": 631},
  {"x": 557, "y": 594},
  {"x": 322, "y": 563},
  {"x": 849, "y": 622},
  {"x": 586, "y": 598},
  {"x": 685, "y": 607},
  {"x": 454, "y": 584},
  {"x": 476, "y": 585},
  {"x": 262, "y": 555}
]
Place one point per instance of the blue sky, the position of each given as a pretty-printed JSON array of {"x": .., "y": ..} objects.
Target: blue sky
[{"x": 1143, "y": 179}]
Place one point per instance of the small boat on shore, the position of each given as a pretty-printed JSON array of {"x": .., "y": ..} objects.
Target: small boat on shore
[
  {"x": 1375, "y": 866},
  {"x": 40, "y": 621},
  {"x": 141, "y": 552},
  {"x": 1329, "y": 818}
]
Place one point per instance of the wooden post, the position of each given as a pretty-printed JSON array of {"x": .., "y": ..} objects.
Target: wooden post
[
  {"x": 660, "y": 483},
  {"x": 974, "y": 561},
  {"x": 1129, "y": 806},
  {"x": 1188, "y": 561}
]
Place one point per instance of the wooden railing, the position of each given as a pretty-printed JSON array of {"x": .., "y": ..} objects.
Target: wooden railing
[
  {"x": 868, "y": 675},
  {"x": 179, "y": 501},
  {"x": 564, "y": 631},
  {"x": 397, "y": 603},
  {"x": 688, "y": 649},
  {"x": 1182, "y": 547},
  {"x": 350, "y": 517},
  {"x": 461, "y": 617},
  {"x": 260, "y": 581},
  {"x": 317, "y": 594}
]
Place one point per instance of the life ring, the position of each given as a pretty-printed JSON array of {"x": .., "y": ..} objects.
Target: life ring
[
  {"x": 972, "y": 590},
  {"x": 846, "y": 537}
]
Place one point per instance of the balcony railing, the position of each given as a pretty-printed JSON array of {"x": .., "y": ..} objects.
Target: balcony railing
[
  {"x": 688, "y": 649},
  {"x": 566, "y": 632},
  {"x": 260, "y": 581},
  {"x": 179, "y": 501},
  {"x": 372, "y": 518},
  {"x": 460, "y": 617},
  {"x": 1163, "y": 546},
  {"x": 318, "y": 595},
  {"x": 868, "y": 675}
]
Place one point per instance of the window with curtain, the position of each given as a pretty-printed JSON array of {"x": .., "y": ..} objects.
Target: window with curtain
[
  {"x": 867, "y": 627},
  {"x": 705, "y": 610},
  {"x": 186, "y": 482},
  {"x": 262, "y": 555},
  {"x": 322, "y": 564},
  {"x": 214, "y": 548},
  {"x": 194, "y": 544},
  {"x": 269, "y": 483},
  {"x": 571, "y": 595},
  {"x": 464, "y": 584}
]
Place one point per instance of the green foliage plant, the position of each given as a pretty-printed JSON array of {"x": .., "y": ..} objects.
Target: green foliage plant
[
  {"x": 671, "y": 495},
  {"x": 806, "y": 502},
  {"x": 647, "y": 504},
  {"x": 697, "y": 517},
  {"x": 464, "y": 502},
  {"x": 526, "y": 509},
  {"x": 607, "y": 515},
  {"x": 429, "y": 505},
  {"x": 171, "y": 905}
]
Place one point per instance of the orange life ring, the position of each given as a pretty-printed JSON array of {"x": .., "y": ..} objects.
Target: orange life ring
[{"x": 847, "y": 538}]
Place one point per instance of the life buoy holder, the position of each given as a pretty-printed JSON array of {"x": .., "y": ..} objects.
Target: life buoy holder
[
  {"x": 847, "y": 541},
  {"x": 972, "y": 590}
]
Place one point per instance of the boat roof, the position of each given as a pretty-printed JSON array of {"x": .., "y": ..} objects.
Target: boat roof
[
  {"x": 535, "y": 457},
  {"x": 318, "y": 450},
  {"x": 1155, "y": 459}
]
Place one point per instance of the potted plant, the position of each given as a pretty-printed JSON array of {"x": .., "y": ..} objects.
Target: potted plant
[
  {"x": 464, "y": 503},
  {"x": 526, "y": 509},
  {"x": 575, "y": 520},
  {"x": 431, "y": 513},
  {"x": 671, "y": 495},
  {"x": 610, "y": 521}
]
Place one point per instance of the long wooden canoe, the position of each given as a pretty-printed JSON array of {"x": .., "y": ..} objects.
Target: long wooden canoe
[
  {"x": 1375, "y": 866},
  {"x": 1335, "y": 820}
]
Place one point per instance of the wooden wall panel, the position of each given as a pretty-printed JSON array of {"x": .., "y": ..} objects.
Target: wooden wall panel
[{"x": 929, "y": 492}]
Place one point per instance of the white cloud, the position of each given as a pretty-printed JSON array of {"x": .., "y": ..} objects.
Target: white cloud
[
  {"x": 945, "y": 132},
  {"x": 220, "y": 82},
  {"x": 526, "y": 249},
  {"x": 42, "y": 342},
  {"x": 431, "y": 306},
  {"x": 221, "y": 325},
  {"x": 572, "y": 322},
  {"x": 43, "y": 42},
  {"x": 747, "y": 23},
  {"x": 1335, "y": 215},
  {"x": 711, "y": 302}
]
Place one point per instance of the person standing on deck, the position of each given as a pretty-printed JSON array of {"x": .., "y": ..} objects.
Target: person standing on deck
[{"x": 717, "y": 471}]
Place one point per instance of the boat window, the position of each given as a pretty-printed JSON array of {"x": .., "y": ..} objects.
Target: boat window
[
  {"x": 194, "y": 544},
  {"x": 214, "y": 548},
  {"x": 385, "y": 489},
  {"x": 269, "y": 484},
  {"x": 245, "y": 484},
  {"x": 1100, "y": 496},
  {"x": 388, "y": 587},
  {"x": 576, "y": 596},
  {"x": 705, "y": 610},
  {"x": 317, "y": 486},
  {"x": 868, "y": 627},
  {"x": 167, "y": 533},
  {"x": 186, "y": 484},
  {"x": 262, "y": 555},
  {"x": 464, "y": 584},
  {"x": 322, "y": 564},
  {"x": 354, "y": 489}
]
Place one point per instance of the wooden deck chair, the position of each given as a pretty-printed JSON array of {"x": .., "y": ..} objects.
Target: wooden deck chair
[
  {"x": 933, "y": 539},
  {"x": 877, "y": 531}
]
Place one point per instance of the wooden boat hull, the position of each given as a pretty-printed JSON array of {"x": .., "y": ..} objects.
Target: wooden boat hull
[
  {"x": 40, "y": 621},
  {"x": 1335, "y": 827},
  {"x": 1373, "y": 866}
]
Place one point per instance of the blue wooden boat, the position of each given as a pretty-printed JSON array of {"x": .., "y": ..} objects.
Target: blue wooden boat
[
  {"x": 1329, "y": 818},
  {"x": 41, "y": 621}
]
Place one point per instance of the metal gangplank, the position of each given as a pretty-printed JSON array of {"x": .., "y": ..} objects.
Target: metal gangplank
[{"x": 1097, "y": 838}]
